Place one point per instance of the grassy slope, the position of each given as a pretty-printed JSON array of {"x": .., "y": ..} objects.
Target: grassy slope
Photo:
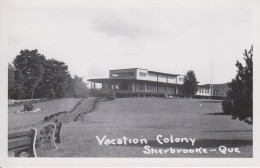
[
  {"x": 18, "y": 120},
  {"x": 148, "y": 117}
]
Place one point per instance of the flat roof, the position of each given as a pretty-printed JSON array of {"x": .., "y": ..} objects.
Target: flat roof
[
  {"x": 148, "y": 71},
  {"x": 127, "y": 69},
  {"x": 165, "y": 73}
]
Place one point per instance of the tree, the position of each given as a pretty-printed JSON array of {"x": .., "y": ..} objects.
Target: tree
[
  {"x": 190, "y": 84},
  {"x": 19, "y": 83},
  {"x": 11, "y": 80},
  {"x": 77, "y": 88},
  {"x": 32, "y": 76},
  {"x": 239, "y": 102},
  {"x": 31, "y": 66},
  {"x": 55, "y": 79}
]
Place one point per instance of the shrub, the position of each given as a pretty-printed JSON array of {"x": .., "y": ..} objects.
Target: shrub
[
  {"x": 240, "y": 95},
  {"x": 28, "y": 106},
  {"x": 111, "y": 95},
  {"x": 227, "y": 106},
  {"x": 46, "y": 118}
]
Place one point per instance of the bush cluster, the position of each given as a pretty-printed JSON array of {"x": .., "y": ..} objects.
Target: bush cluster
[
  {"x": 33, "y": 101},
  {"x": 28, "y": 106},
  {"x": 138, "y": 94},
  {"x": 53, "y": 116},
  {"x": 208, "y": 97},
  {"x": 79, "y": 103},
  {"x": 82, "y": 115},
  {"x": 239, "y": 101},
  {"x": 108, "y": 94},
  {"x": 227, "y": 106}
]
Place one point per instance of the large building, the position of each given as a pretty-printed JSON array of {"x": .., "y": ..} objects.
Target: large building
[
  {"x": 144, "y": 80},
  {"x": 141, "y": 80}
]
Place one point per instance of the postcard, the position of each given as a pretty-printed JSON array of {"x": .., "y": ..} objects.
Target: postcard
[{"x": 129, "y": 83}]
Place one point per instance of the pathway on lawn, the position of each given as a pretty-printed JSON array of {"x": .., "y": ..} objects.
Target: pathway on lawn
[
  {"x": 29, "y": 119},
  {"x": 147, "y": 118}
]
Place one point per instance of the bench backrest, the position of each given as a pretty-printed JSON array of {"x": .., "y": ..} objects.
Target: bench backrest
[
  {"x": 47, "y": 135},
  {"x": 23, "y": 141},
  {"x": 57, "y": 131},
  {"x": 58, "y": 127}
]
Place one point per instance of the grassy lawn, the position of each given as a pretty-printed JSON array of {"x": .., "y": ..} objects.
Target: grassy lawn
[
  {"x": 16, "y": 121},
  {"x": 147, "y": 118}
]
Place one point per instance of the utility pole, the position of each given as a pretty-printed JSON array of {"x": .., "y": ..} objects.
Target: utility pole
[{"x": 211, "y": 79}]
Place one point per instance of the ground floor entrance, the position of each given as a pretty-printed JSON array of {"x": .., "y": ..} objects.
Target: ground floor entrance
[{"x": 136, "y": 86}]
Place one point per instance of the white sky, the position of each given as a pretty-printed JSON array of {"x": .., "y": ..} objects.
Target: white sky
[{"x": 91, "y": 40}]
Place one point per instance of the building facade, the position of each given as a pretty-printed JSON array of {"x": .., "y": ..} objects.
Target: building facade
[
  {"x": 204, "y": 90},
  {"x": 144, "y": 80},
  {"x": 220, "y": 90},
  {"x": 141, "y": 80}
]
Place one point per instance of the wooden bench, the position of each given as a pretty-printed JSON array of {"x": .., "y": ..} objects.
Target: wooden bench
[
  {"x": 57, "y": 131},
  {"x": 46, "y": 135},
  {"x": 19, "y": 142},
  {"x": 50, "y": 134}
]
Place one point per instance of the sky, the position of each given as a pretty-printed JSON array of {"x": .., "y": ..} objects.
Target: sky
[{"x": 92, "y": 39}]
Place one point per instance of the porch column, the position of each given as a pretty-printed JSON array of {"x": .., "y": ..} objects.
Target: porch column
[
  {"x": 111, "y": 84},
  {"x": 157, "y": 84},
  {"x": 133, "y": 86},
  {"x": 144, "y": 86},
  {"x": 103, "y": 85},
  {"x": 166, "y": 87},
  {"x": 176, "y": 91}
]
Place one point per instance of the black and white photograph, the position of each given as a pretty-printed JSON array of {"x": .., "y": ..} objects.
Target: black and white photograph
[{"x": 129, "y": 80}]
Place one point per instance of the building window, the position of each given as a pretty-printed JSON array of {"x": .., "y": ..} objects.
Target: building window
[
  {"x": 122, "y": 74},
  {"x": 181, "y": 79},
  {"x": 130, "y": 73},
  {"x": 114, "y": 74},
  {"x": 142, "y": 74}
]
